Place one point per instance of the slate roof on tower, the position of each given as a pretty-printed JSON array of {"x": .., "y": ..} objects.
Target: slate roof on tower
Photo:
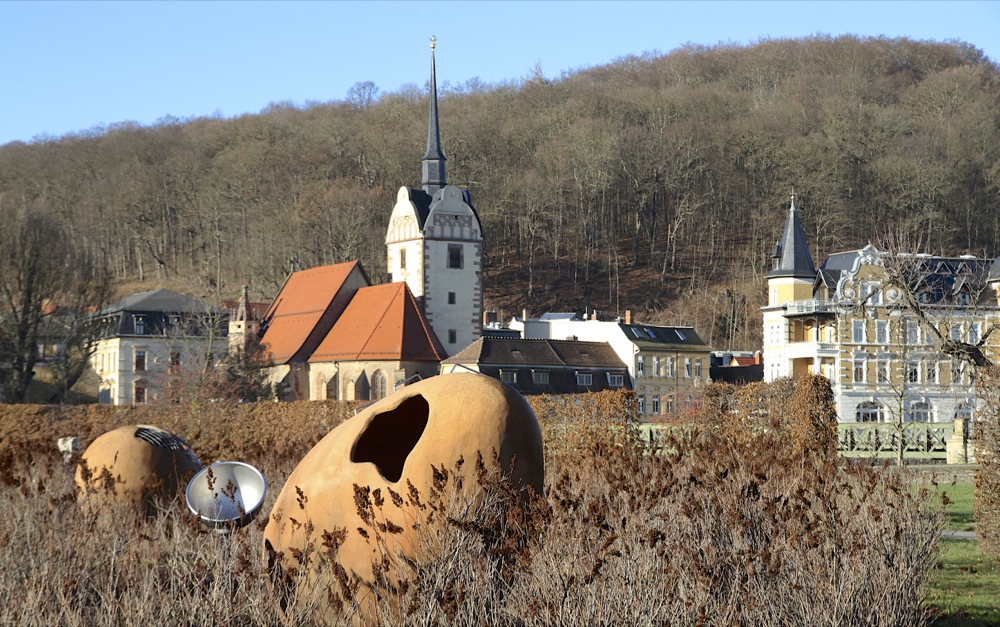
[{"x": 791, "y": 256}]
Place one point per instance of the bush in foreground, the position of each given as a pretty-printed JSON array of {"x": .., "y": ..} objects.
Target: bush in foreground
[{"x": 716, "y": 529}]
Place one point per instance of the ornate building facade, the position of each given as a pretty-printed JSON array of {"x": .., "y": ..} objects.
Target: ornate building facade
[{"x": 897, "y": 333}]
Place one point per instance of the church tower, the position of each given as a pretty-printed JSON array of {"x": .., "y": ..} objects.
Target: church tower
[{"x": 435, "y": 244}]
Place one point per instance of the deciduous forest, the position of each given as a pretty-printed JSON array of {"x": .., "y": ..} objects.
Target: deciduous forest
[{"x": 657, "y": 183}]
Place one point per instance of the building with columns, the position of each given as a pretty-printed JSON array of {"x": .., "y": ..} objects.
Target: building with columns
[{"x": 434, "y": 244}]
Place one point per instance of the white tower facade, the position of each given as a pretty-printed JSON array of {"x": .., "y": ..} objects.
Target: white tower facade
[{"x": 435, "y": 244}]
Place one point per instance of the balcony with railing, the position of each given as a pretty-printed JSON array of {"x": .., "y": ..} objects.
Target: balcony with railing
[{"x": 808, "y": 307}]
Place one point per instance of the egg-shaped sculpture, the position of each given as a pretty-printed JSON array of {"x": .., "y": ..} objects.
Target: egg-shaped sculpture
[
  {"x": 135, "y": 464},
  {"x": 398, "y": 445}
]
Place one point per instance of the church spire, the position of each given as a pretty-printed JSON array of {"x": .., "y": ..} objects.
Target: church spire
[
  {"x": 791, "y": 256},
  {"x": 433, "y": 162}
]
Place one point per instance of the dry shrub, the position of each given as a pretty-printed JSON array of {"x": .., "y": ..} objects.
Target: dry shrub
[
  {"x": 218, "y": 430},
  {"x": 986, "y": 432},
  {"x": 736, "y": 522},
  {"x": 68, "y": 565},
  {"x": 764, "y": 528}
]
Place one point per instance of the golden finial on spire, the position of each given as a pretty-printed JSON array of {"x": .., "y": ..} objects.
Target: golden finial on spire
[{"x": 433, "y": 41}]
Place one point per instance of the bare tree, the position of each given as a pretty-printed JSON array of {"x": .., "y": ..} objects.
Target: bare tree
[
  {"x": 32, "y": 276},
  {"x": 73, "y": 326},
  {"x": 935, "y": 292}
]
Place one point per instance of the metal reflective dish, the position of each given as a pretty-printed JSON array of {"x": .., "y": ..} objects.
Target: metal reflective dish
[{"x": 226, "y": 495}]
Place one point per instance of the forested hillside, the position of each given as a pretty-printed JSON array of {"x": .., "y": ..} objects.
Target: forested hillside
[{"x": 656, "y": 183}]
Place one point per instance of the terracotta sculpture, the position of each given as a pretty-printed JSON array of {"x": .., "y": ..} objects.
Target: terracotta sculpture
[
  {"x": 135, "y": 464},
  {"x": 390, "y": 445}
]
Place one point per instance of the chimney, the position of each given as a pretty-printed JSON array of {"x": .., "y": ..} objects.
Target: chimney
[
  {"x": 489, "y": 317},
  {"x": 758, "y": 358},
  {"x": 524, "y": 314},
  {"x": 628, "y": 316}
]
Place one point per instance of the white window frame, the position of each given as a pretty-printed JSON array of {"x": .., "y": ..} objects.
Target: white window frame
[
  {"x": 858, "y": 331},
  {"x": 882, "y": 332},
  {"x": 584, "y": 379},
  {"x": 975, "y": 333},
  {"x": 860, "y": 369},
  {"x": 883, "y": 370}
]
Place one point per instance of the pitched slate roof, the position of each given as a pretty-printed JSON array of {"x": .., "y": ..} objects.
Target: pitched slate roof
[
  {"x": 306, "y": 308},
  {"x": 518, "y": 352},
  {"x": 158, "y": 300},
  {"x": 382, "y": 322},
  {"x": 791, "y": 255},
  {"x": 650, "y": 337}
]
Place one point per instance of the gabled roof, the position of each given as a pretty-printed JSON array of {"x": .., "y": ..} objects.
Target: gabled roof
[
  {"x": 305, "y": 309},
  {"x": 159, "y": 300},
  {"x": 382, "y": 322},
  {"x": 791, "y": 256}
]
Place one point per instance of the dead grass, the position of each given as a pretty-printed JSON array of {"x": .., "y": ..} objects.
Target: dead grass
[{"x": 716, "y": 530}]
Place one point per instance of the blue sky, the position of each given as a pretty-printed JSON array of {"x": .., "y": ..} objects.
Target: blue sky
[{"x": 71, "y": 66}]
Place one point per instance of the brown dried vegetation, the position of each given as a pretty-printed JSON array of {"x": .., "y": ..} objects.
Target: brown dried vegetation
[{"x": 731, "y": 521}]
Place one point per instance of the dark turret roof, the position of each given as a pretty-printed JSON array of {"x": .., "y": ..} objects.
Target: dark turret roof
[
  {"x": 433, "y": 162},
  {"x": 791, "y": 256}
]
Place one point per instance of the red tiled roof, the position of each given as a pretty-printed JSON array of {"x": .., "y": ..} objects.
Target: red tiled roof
[
  {"x": 382, "y": 322},
  {"x": 743, "y": 361},
  {"x": 297, "y": 314}
]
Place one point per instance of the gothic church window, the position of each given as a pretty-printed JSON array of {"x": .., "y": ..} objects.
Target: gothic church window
[{"x": 378, "y": 385}]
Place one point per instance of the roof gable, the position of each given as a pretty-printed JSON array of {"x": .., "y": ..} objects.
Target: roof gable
[
  {"x": 382, "y": 322},
  {"x": 306, "y": 308}
]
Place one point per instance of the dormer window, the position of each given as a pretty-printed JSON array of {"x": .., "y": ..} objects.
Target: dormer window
[{"x": 140, "y": 324}]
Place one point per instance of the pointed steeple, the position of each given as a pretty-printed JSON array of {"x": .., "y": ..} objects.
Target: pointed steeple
[
  {"x": 791, "y": 256},
  {"x": 433, "y": 161}
]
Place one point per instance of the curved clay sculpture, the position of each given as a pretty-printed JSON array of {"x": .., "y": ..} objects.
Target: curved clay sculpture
[
  {"x": 135, "y": 464},
  {"x": 389, "y": 446}
]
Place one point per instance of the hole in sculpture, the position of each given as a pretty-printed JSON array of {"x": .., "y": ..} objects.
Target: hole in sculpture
[{"x": 389, "y": 437}]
